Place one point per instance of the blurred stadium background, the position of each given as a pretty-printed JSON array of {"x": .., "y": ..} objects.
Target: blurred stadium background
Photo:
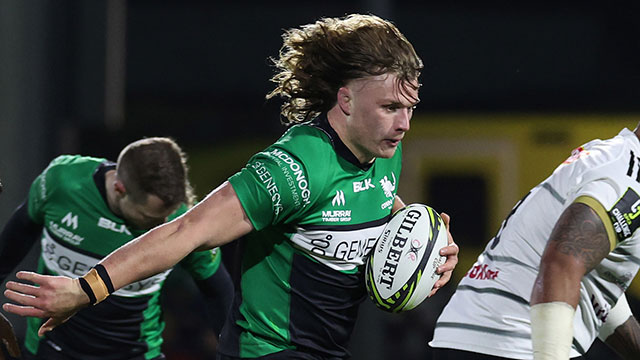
[{"x": 509, "y": 89}]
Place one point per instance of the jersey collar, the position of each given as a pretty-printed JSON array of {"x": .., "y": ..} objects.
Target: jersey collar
[{"x": 99, "y": 177}]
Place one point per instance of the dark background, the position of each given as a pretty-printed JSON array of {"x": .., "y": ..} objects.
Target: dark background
[{"x": 91, "y": 76}]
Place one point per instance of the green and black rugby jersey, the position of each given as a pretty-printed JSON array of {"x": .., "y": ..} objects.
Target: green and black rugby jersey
[
  {"x": 317, "y": 213},
  {"x": 68, "y": 198}
]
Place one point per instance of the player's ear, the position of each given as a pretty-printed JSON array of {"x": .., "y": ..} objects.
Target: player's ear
[
  {"x": 119, "y": 188},
  {"x": 344, "y": 100}
]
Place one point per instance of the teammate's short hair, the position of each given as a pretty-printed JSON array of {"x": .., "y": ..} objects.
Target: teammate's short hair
[
  {"x": 317, "y": 59},
  {"x": 155, "y": 166}
]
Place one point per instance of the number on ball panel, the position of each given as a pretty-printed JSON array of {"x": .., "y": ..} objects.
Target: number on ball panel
[{"x": 394, "y": 280}]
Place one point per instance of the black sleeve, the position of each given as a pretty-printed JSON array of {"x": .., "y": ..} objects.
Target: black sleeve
[
  {"x": 16, "y": 239},
  {"x": 218, "y": 295}
]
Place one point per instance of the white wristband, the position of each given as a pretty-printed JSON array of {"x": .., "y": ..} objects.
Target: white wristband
[
  {"x": 616, "y": 317},
  {"x": 552, "y": 330}
]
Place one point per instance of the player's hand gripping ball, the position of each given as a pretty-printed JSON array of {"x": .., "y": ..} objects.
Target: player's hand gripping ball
[{"x": 401, "y": 269}]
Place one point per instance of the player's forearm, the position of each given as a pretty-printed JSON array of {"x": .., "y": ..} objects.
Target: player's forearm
[
  {"x": 558, "y": 280},
  {"x": 554, "y": 298},
  {"x": 149, "y": 254},
  {"x": 626, "y": 339},
  {"x": 577, "y": 244}
]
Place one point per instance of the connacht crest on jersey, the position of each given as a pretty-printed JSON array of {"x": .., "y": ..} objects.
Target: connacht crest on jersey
[{"x": 387, "y": 186}]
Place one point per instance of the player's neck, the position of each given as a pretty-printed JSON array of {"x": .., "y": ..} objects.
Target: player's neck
[{"x": 337, "y": 119}]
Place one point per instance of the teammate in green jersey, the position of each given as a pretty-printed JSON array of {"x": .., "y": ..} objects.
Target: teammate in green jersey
[
  {"x": 309, "y": 207},
  {"x": 82, "y": 208}
]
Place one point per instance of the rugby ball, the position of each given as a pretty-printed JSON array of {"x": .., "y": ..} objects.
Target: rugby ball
[{"x": 401, "y": 269}]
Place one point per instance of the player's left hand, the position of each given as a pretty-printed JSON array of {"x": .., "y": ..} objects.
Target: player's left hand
[
  {"x": 54, "y": 297},
  {"x": 451, "y": 252},
  {"x": 9, "y": 339}
]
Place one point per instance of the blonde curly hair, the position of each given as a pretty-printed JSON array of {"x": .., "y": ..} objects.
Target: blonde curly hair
[{"x": 317, "y": 59}]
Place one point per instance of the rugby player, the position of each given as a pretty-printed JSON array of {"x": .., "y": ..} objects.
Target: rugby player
[
  {"x": 554, "y": 277},
  {"x": 309, "y": 207},
  {"x": 80, "y": 209}
]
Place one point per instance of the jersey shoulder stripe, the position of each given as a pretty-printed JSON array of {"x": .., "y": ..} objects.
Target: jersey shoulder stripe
[{"x": 603, "y": 215}]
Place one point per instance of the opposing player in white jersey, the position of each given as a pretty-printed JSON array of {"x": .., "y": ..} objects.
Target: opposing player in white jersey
[{"x": 553, "y": 278}]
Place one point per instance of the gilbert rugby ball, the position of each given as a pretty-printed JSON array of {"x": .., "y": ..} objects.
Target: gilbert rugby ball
[{"x": 401, "y": 269}]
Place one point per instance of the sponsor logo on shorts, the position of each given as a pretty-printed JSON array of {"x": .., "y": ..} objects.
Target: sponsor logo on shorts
[{"x": 482, "y": 272}]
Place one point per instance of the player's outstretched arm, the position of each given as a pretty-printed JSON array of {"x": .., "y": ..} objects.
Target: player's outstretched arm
[
  {"x": 216, "y": 220},
  {"x": 8, "y": 337},
  {"x": 578, "y": 242}
]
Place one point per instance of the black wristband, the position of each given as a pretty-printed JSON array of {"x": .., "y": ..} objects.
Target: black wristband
[
  {"x": 104, "y": 275},
  {"x": 87, "y": 290}
]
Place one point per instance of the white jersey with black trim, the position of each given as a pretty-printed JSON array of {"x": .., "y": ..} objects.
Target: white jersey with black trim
[{"x": 489, "y": 312}]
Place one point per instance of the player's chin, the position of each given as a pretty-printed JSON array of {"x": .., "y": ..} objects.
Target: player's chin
[{"x": 387, "y": 150}]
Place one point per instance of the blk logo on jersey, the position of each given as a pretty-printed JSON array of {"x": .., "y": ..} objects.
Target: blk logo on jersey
[
  {"x": 625, "y": 214},
  {"x": 70, "y": 220},
  {"x": 110, "y": 225},
  {"x": 364, "y": 185}
]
